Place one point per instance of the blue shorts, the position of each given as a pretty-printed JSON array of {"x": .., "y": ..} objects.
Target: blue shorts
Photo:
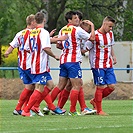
[
  {"x": 41, "y": 78},
  {"x": 104, "y": 76},
  {"x": 70, "y": 70},
  {"x": 25, "y": 75}
]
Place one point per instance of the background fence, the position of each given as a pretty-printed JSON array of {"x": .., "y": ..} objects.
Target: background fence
[{"x": 12, "y": 72}]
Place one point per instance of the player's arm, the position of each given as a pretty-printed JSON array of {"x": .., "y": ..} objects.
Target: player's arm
[
  {"x": 56, "y": 38},
  {"x": 50, "y": 53},
  {"x": 92, "y": 37},
  {"x": 8, "y": 51},
  {"x": 113, "y": 55}
]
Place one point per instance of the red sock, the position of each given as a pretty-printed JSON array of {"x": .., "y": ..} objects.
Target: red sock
[
  {"x": 48, "y": 100},
  {"x": 73, "y": 99},
  {"x": 25, "y": 94},
  {"x": 33, "y": 98},
  {"x": 59, "y": 96},
  {"x": 98, "y": 98},
  {"x": 40, "y": 99},
  {"x": 107, "y": 91},
  {"x": 63, "y": 98},
  {"x": 55, "y": 93},
  {"x": 38, "y": 102},
  {"x": 26, "y": 101},
  {"x": 82, "y": 99},
  {"x": 45, "y": 92}
]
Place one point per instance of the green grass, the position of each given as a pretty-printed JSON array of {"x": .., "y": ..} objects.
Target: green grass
[{"x": 120, "y": 120}]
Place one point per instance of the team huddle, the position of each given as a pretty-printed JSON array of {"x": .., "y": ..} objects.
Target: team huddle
[{"x": 74, "y": 39}]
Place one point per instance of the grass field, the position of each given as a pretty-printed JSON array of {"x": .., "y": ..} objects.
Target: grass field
[{"x": 120, "y": 120}]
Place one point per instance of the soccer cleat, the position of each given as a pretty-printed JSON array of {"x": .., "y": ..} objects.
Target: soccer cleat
[
  {"x": 88, "y": 111},
  {"x": 17, "y": 112},
  {"x": 37, "y": 111},
  {"x": 93, "y": 104},
  {"x": 46, "y": 110},
  {"x": 58, "y": 111},
  {"x": 26, "y": 114},
  {"x": 74, "y": 113},
  {"x": 102, "y": 113}
]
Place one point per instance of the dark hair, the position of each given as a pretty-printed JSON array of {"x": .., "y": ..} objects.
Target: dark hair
[
  {"x": 69, "y": 15},
  {"x": 80, "y": 14},
  {"x": 109, "y": 18},
  {"x": 39, "y": 17}
]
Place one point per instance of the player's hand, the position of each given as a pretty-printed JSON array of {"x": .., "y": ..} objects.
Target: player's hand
[
  {"x": 114, "y": 60},
  {"x": 6, "y": 54},
  {"x": 57, "y": 58},
  {"x": 52, "y": 32},
  {"x": 88, "y": 22}
]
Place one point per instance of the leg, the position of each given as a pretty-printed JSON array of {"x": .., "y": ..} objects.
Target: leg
[
  {"x": 61, "y": 85},
  {"x": 24, "y": 96},
  {"x": 76, "y": 84},
  {"x": 108, "y": 90},
  {"x": 64, "y": 94}
]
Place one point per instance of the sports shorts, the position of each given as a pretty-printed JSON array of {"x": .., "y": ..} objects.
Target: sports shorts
[
  {"x": 104, "y": 76},
  {"x": 25, "y": 75},
  {"x": 41, "y": 78},
  {"x": 70, "y": 70}
]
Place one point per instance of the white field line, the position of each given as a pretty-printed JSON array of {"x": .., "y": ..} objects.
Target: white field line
[{"x": 55, "y": 129}]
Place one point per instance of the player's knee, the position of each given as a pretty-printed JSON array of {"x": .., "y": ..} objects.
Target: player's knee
[{"x": 112, "y": 86}]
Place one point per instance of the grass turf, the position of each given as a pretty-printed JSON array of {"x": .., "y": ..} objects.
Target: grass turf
[{"x": 120, "y": 120}]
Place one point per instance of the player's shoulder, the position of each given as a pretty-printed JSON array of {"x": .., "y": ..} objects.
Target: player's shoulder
[{"x": 43, "y": 30}]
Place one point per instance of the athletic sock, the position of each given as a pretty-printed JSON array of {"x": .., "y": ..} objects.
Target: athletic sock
[
  {"x": 23, "y": 97},
  {"x": 48, "y": 100},
  {"x": 73, "y": 100},
  {"x": 63, "y": 98},
  {"x": 33, "y": 98},
  {"x": 27, "y": 99},
  {"x": 55, "y": 93},
  {"x": 40, "y": 99},
  {"x": 107, "y": 91},
  {"x": 81, "y": 99},
  {"x": 98, "y": 98},
  {"x": 59, "y": 96}
]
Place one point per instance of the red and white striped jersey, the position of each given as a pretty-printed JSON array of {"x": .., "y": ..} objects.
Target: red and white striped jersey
[
  {"x": 71, "y": 51},
  {"x": 100, "y": 50},
  {"x": 19, "y": 41},
  {"x": 39, "y": 39}
]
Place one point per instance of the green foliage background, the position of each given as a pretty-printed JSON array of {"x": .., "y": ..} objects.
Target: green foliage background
[
  {"x": 14, "y": 12},
  {"x": 12, "y": 60}
]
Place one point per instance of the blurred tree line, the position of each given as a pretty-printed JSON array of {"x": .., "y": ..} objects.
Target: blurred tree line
[{"x": 14, "y": 12}]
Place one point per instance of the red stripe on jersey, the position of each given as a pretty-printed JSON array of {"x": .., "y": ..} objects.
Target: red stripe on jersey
[
  {"x": 66, "y": 54},
  {"x": 74, "y": 45},
  {"x": 38, "y": 54},
  {"x": 97, "y": 51},
  {"x": 105, "y": 50},
  {"x": 25, "y": 53},
  {"x": 24, "y": 60},
  {"x": 110, "y": 60}
]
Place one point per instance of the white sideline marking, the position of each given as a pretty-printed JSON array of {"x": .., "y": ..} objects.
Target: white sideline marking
[{"x": 55, "y": 129}]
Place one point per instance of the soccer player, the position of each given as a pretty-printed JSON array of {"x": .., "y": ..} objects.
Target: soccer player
[
  {"x": 64, "y": 94},
  {"x": 40, "y": 49},
  {"x": 24, "y": 59},
  {"x": 71, "y": 57},
  {"x": 102, "y": 58}
]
